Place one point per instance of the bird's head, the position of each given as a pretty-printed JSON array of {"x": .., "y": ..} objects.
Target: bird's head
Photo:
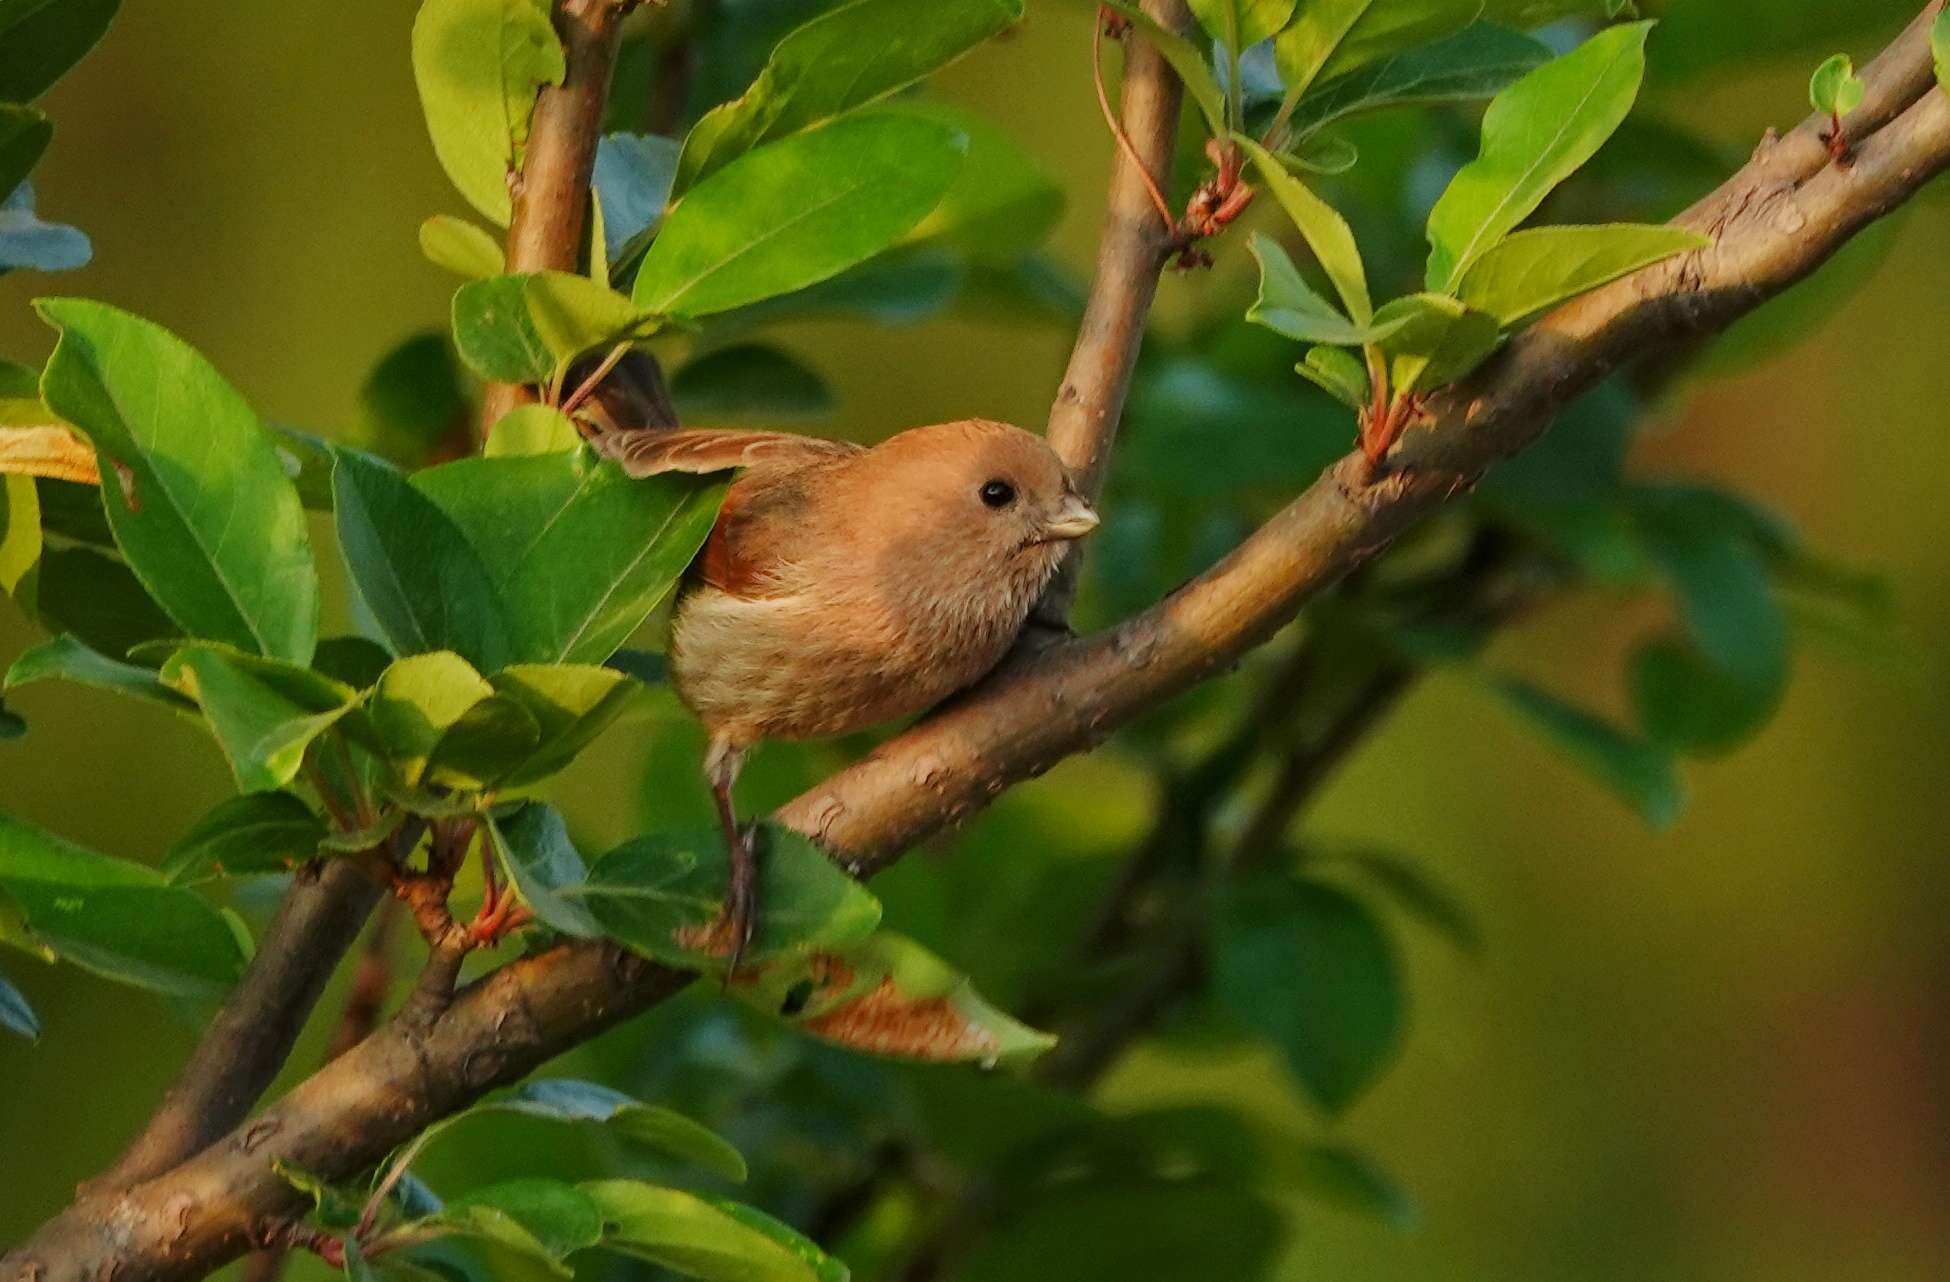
[{"x": 981, "y": 490}]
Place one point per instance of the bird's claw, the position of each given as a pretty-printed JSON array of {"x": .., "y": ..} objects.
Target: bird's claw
[{"x": 740, "y": 914}]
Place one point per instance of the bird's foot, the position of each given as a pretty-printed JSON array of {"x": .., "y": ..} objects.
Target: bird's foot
[{"x": 740, "y": 914}]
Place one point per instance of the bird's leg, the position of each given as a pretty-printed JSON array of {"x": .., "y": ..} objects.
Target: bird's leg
[{"x": 721, "y": 766}]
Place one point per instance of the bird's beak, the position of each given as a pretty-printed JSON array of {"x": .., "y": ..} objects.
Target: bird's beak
[{"x": 1073, "y": 519}]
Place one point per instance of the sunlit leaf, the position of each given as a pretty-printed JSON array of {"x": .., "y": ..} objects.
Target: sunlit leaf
[
  {"x": 1187, "y": 60},
  {"x": 461, "y": 247},
  {"x": 478, "y": 65},
  {"x": 20, "y": 530},
  {"x": 1323, "y": 228},
  {"x": 706, "y": 1238},
  {"x": 541, "y": 1219},
  {"x": 531, "y": 429},
  {"x": 1533, "y": 271},
  {"x": 207, "y": 519},
  {"x": 495, "y": 332},
  {"x": 1835, "y": 89},
  {"x": 1434, "y": 340},
  {"x": 264, "y": 712},
  {"x": 572, "y": 314},
  {"x": 1288, "y": 305}
]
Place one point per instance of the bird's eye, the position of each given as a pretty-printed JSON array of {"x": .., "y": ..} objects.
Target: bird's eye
[{"x": 998, "y": 493}]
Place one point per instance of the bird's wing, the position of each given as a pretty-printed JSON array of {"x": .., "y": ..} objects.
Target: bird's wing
[{"x": 704, "y": 449}]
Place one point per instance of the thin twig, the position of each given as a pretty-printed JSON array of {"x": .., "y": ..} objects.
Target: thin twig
[{"x": 1124, "y": 143}]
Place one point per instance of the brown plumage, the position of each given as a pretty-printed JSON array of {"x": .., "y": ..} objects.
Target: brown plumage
[{"x": 843, "y": 587}]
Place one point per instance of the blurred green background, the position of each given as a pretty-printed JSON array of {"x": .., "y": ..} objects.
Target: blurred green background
[{"x": 1717, "y": 1053}]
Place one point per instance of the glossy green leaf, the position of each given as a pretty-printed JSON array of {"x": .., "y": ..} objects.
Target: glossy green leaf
[
  {"x": 748, "y": 382},
  {"x": 633, "y": 179},
  {"x": 41, "y": 39},
  {"x": 1475, "y": 63},
  {"x": 704, "y": 1237},
  {"x": 1001, "y": 205},
  {"x": 64, "y": 658},
  {"x": 887, "y": 995},
  {"x": 532, "y": 429},
  {"x": 1536, "y": 133},
  {"x": 15, "y": 1014},
  {"x": 27, "y": 241},
  {"x": 1185, "y": 58},
  {"x": 1309, "y": 967},
  {"x": 113, "y": 917},
  {"x": 1434, "y": 340},
  {"x": 1324, "y": 230},
  {"x": 1339, "y": 373},
  {"x": 209, "y": 522},
  {"x": 1288, "y": 305},
  {"x": 1352, "y": 1181},
  {"x": 1241, "y": 24},
  {"x": 541, "y": 1219},
  {"x": 572, "y": 314},
  {"x": 20, "y": 530},
  {"x": 495, "y": 332},
  {"x": 417, "y": 700},
  {"x": 264, "y": 712},
  {"x": 1835, "y": 89},
  {"x": 412, "y": 566},
  {"x": 571, "y": 704},
  {"x": 534, "y": 848},
  {"x": 1639, "y": 772},
  {"x": 461, "y": 247},
  {"x": 661, "y": 894},
  {"x": 412, "y": 407},
  {"x": 258, "y": 832},
  {"x": 478, "y": 65},
  {"x": 24, "y": 135},
  {"x": 578, "y": 553},
  {"x": 842, "y": 59},
  {"x": 796, "y": 212},
  {"x": 1533, "y": 271},
  {"x": 1309, "y": 42}
]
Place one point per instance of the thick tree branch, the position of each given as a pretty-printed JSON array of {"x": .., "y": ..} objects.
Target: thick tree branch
[
  {"x": 1770, "y": 227},
  {"x": 252, "y": 1034},
  {"x": 551, "y": 194}
]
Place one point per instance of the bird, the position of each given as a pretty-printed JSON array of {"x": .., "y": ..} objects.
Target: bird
[{"x": 842, "y": 586}]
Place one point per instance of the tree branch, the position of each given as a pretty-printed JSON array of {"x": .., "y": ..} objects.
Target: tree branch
[
  {"x": 551, "y": 194},
  {"x": 1772, "y": 224}
]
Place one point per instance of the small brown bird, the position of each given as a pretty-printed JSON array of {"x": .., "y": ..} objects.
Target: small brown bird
[{"x": 842, "y": 587}]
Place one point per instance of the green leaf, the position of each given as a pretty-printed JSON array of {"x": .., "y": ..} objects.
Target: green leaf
[
  {"x": 357, "y": 661},
  {"x": 842, "y": 59},
  {"x": 578, "y": 553},
  {"x": 705, "y": 1238},
  {"x": 1241, "y": 24},
  {"x": 264, "y": 712},
  {"x": 1434, "y": 340},
  {"x": 571, "y": 704},
  {"x": 93, "y": 596},
  {"x": 1001, "y": 205},
  {"x": 15, "y": 1014},
  {"x": 1339, "y": 373},
  {"x": 1835, "y": 89},
  {"x": 488, "y": 743},
  {"x": 1304, "y": 49},
  {"x": 633, "y": 178},
  {"x": 64, "y": 658},
  {"x": 41, "y": 39},
  {"x": 335, "y": 1206},
  {"x": 541, "y": 1219},
  {"x": 1325, "y": 231},
  {"x": 1533, "y": 271},
  {"x": 1410, "y": 887},
  {"x": 532, "y": 429},
  {"x": 24, "y": 135},
  {"x": 415, "y": 571},
  {"x": 1940, "y": 49},
  {"x": 1689, "y": 704},
  {"x": 798, "y": 211},
  {"x": 1287, "y": 305},
  {"x": 1187, "y": 60},
  {"x": 20, "y": 530},
  {"x": 495, "y": 332},
  {"x": 1639, "y": 772},
  {"x": 113, "y": 917},
  {"x": 478, "y": 65},
  {"x": 572, "y": 314},
  {"x": 534, "y": 847},
  {"x": 1715, "y": 558},
  {"x": 748, "y": 382},
  {"x": 1308, "y": 966},
  {"x": 1475, "y": 63},
  {"x": 26, "y": 241},
  {"x": 416, "y": 702},
  {"x": 661, "y": 894},
  {"x": 259, "y": 832},
  {"x": 887, "y": 995},
  {"x": 461, "y": 247},
  {"x": 413, "y": 406},
  {"x": 1536, "y": 133},
  {"x": 209, "y": 523},
  {"x": 1352, "y": 1181}
]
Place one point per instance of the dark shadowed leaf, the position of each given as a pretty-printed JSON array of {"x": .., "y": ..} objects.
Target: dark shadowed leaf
[
  {"x": 259, "y": 832},
  {"x": 1689, "y": 704},
  {"x": 796, "y": 212},
  {"x": 1118, "y": 1230},
  {"x": 534, "y": 847},
  {"x": 1412, "y": 888},
  {"x": 41, "y": 39},
  {"x": 478, "y": 64},
  {"x": 1474, "y": 63},
  {"x": 1639, "y": 772},
  {"x": 840, "y": 60},
  {"x": 1352, "y": 1181},
  {"x": 208, "y": 521},
  {"x": 661, "y": 894},
  {"x": 113, "y": 917},
  {"x": 748, "y": 382},
  {"x": 413, "y": 404},
  {"x": 1310, "y": 967},
  {"x": 413, "y": 568},
  {"x": 24, "y": 135},
  {"x": 95, "y": 597}
]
